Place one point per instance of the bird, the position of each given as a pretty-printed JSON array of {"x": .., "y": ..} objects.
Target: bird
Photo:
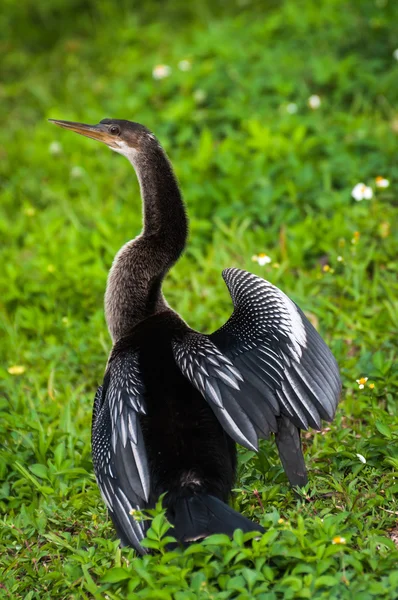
[{"x": 175, "y": 402}]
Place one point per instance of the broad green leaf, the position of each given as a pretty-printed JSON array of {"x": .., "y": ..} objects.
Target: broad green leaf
[
  {"x": 39, "y": 470},
  {"x": 115, "y": 575},
  {"x": 384, "y": 429},
  {"x": 326, "y": 581}
]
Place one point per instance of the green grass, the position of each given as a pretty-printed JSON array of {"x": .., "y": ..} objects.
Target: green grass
[{"x": 256, "y": 179}]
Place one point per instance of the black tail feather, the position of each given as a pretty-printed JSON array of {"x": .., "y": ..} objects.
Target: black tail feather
[
  {"x": 201, "y": 515},
  {"x": 291, "y": 454}
]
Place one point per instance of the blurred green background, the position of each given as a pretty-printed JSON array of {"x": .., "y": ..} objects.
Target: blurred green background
[{"x": 271, "y": 113}]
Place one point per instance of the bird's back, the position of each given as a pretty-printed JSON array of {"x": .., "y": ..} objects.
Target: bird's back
[{"x": 184, "y": 442}]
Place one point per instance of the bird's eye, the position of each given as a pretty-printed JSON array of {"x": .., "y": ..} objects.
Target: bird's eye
[{"x": 114, "y": 129}]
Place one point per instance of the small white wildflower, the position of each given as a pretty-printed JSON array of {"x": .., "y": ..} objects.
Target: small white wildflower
[
  {"x": 395, "y": 54},
  {"x": 262, "y": 259},
  {"x": 76, "y": 172},
  {"x": 184, "y": 65},
  {"x": 361, "y": 458},
  {"x": 161, "y": 71},
  {"x": 361, "y": 382},
  {"x": 382, "y": 182},
  {"x": 361, "y": 191},
  {"x": 55, "y": 149},
  {"x": 292, "y": 108},
  {"x": 340, "y": 259},
  {"x": 314, "y": 101},
  {"x": 199, "y": 96}
]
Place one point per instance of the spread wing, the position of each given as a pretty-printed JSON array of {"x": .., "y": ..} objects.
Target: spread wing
[
  {"x": 266, "y": 369},
  {"x": 119, "y": 455}
]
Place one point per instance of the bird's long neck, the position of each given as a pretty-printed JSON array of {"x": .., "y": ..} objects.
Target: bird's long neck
[{"x": 134, "y": 284}]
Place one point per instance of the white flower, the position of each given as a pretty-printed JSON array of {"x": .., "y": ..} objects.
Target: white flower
[
  {"x": 262, "y": 259},
  {"x": 362, "y": 191},
  {"x": 361, "y": 382},
  {"x": 382, "y": 182},
  {"x": 314, "y": 102},
  {"x": 291, "y": 108},
  {"x": 395, "y": 54},
  {"x": 199, "y": 96},
  {"x": 362, "y": 458},
  {"x": 76, "y": 172},
  {"x": 55, "y": 148},
  {"x": 161, "y": 71},
  {"x": 340, "y": 259},
  {"x": 184, "y": 65}
]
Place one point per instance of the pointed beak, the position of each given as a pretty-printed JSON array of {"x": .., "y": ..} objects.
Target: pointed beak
[{"x": 96, "y": 132}]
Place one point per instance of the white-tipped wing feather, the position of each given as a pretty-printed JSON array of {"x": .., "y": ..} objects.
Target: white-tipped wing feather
[
  {"x": 119, "y": 455},
  {"x": 271, "y": 362}
]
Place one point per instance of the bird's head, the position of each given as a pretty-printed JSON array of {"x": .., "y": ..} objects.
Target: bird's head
[{"x": 124, "y": 137}]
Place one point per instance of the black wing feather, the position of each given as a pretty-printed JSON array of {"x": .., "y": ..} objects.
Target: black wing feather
[
  {"x": 273, "y": 363},
  {"x": 119, "y": 455},
  {"x": 270, "y": 331},
  {"x": 221, "y": 384}
]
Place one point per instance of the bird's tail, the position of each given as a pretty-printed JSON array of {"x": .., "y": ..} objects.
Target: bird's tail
[{"x": 199, "y": 515}]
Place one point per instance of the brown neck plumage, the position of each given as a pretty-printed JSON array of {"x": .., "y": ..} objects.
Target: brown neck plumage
[{"x": 134, "y": 284}]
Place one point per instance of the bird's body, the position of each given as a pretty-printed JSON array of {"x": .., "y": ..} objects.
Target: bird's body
[
  {"x": 177, "y": 420},
  {"x": 174, "y": 402}
]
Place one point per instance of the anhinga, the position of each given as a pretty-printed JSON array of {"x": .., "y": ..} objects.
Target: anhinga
[{"x": 174, "y": 401}]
